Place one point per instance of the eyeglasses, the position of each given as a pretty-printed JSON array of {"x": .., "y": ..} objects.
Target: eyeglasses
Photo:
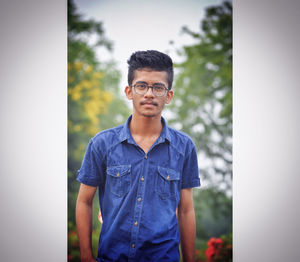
[{"x": 157, "y": 89}]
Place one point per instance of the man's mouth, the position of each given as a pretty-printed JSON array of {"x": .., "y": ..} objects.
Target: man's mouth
[{"x": 149, "y": 103}]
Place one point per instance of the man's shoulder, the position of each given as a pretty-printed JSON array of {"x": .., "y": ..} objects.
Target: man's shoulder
[
  {"x": 108, "y": 137},
  {"x": 180, "y": 139}
]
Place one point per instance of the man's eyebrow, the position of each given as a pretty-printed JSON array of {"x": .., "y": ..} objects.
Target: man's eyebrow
[
  {"x": 162, "y": 84},
  {"x": 143, "y": 82}
]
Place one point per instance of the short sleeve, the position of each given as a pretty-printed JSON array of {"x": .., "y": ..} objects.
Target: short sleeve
[
  {"x": 91, "y": 171},
  {"x": 190, "y": 174}
]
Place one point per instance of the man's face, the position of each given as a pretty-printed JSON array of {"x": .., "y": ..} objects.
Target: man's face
[{"x": 149, "y": 105}]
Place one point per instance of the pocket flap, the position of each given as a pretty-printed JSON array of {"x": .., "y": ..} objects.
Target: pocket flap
[
  {"x": 168, "y": 174},
  {"x": 118, "y": 171}
]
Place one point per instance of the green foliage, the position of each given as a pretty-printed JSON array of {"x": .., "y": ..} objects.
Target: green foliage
[
  {"x": 94, "y": 104},
  {"x": 79, "y": 32},
  {"x": 202, "y": 105},
  {"x": 73, "y": 243},
  {"x": 202, "y": 108},
  {"x": 213, "y": 211}
]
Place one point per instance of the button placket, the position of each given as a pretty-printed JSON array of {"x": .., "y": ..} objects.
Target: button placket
[{"x": 138, "y": 208}]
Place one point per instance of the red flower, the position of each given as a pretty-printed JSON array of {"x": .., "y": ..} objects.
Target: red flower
[
  {"x": 213, "y": 242},
  {"x": 214, "y": 248},
  {"x": 209, "y": 252}
]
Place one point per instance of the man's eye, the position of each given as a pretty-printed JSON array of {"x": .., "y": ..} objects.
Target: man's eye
[
  {"x": 141, "y": 86},
  {"x": 159, "y": 88}
]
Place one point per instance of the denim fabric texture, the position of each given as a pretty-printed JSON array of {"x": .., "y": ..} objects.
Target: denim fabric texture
[{"x": 139, "y": 192}]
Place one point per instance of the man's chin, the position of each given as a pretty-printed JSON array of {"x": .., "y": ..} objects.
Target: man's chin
[{"x": 149, "y": 115}]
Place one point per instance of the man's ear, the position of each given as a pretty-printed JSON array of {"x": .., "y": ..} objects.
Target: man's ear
[
  {"x": 169, "y": 96},
  {"x": 128, "y": 92}
]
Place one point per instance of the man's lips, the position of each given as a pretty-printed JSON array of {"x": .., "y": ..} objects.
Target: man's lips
[{"x": 149, "y": 103}]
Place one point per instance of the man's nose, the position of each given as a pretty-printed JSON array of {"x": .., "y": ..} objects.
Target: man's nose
[{"x": 149, "y": 92}]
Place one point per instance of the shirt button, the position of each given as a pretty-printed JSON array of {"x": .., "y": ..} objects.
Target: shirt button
[
  {"x": 133, "y": 245},
  {"x": 142, "y": 178},
  {"x": 135, "y": 223},
  {"x": 118, "y": 174},
  {"x": 146, "y": 156},
  {"x": 139, "y": 199},
  {"x": 168, "y": 177}
]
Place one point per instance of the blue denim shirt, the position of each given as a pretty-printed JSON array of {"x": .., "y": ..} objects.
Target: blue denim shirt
[{"x": 139, "y": 192}]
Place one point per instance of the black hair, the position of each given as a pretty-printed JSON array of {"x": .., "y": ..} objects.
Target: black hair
[{"x": 151, "y": 59}]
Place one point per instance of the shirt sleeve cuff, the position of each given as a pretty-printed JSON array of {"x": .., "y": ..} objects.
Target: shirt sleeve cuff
[
  {"x": 88, "y": 181},
  {"x": 193, "y": 183}
]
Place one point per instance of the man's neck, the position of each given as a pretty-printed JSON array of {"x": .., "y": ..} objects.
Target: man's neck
[{"x": 145, "y": 126}]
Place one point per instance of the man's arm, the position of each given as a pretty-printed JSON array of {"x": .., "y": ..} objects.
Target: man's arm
[
  {"x": 84, "y": 211},
  {"x": 187, "y": 224}
]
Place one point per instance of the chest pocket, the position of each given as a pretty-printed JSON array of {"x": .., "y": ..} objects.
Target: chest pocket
[
  {"x": 119, "y": 179},
  {"x": 167, "y": 183}
]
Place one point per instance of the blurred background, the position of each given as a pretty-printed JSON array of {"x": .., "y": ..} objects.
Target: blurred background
[{"x": 198, "y": 36}]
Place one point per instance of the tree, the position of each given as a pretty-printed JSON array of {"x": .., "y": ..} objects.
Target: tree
[
  {"x": 94, "y": 103},
  {"x": 202, "y": 106}
]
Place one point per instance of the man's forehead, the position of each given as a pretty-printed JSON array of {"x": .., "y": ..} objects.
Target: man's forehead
[{"x": 150, "y": 74}]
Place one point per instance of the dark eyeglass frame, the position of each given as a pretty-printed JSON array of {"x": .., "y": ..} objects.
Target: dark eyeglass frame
[{"x": 148, "y": 86}]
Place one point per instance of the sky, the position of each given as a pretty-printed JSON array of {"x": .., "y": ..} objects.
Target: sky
[{"x": 135, "y": 25}]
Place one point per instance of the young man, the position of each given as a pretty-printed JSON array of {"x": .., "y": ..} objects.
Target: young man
[{"x": 145, "y": 172}]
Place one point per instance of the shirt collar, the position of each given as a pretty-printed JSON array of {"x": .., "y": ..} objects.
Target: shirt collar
[
  {"x": 165, "y": 133},
  {"x": 125, "y": 132}
]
